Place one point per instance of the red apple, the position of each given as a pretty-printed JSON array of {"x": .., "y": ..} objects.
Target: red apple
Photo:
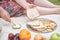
[
  {"x": 17, "y": 36},
  {"x": 11, "y": 36},
  {"x": 38, "y": 37}
]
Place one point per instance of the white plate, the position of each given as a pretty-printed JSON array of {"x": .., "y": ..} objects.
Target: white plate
[{"x": 44, "y": 31}]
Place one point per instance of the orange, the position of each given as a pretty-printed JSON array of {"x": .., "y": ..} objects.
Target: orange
[{"x": 24, "y": 34}]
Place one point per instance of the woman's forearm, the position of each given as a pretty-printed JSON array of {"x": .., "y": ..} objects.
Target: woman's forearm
[
  {"x": 45, "y": 3},
  {"x": 4, "y": 15},
  {"x": 22, "y": 3}
]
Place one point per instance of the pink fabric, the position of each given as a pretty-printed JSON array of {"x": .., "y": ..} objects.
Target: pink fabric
[{"x": 12, "y": 7}]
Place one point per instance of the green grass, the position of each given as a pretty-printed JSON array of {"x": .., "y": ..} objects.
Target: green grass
[{"x": 55, "y": 1}]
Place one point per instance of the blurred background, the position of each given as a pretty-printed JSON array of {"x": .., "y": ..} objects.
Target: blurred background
[{"x": 55, "y": 1}]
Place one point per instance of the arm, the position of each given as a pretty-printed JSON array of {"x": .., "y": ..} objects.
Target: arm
[
  {"x": 45, "y": 3},
  {"x": 4, "y": 15},
  {"x": 22, "y": 3}
]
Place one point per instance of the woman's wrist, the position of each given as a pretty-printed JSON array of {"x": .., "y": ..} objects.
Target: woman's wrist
[{"x": 26, "y": 6}]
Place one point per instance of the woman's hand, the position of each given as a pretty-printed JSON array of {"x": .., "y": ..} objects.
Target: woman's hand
[
  {"x": 4, "y": 15},
  {"x": 30, "y": 6}
]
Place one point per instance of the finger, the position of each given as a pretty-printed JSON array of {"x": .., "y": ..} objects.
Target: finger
[
  {"x": 33, "y": 5},
  {"x": 6, "y": 17},
  {"x": 30, "y": 6}
]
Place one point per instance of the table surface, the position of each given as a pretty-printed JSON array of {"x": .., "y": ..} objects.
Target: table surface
[{"x": 7, "y": 28}]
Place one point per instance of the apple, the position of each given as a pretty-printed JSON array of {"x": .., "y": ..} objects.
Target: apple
[
  {"x": 55, "y": 36},
  {"x": 11, "y": 36},
  {"x": 25, "y": 39},
  {"x": 38, "y": 37},
  {"x": 17, "y": 36}
]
